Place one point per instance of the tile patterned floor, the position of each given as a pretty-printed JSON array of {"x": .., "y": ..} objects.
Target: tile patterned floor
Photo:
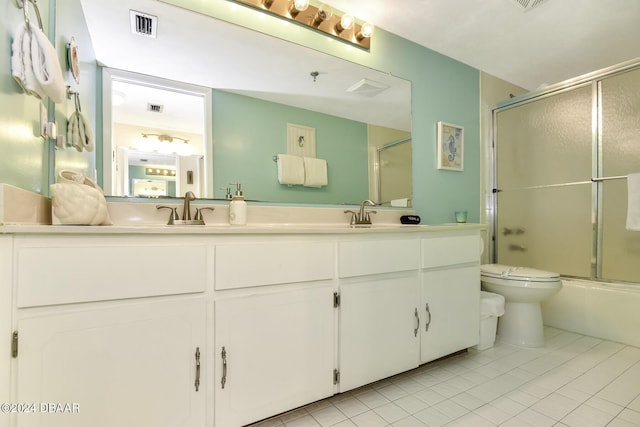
[{"x": 575, "y": 381}]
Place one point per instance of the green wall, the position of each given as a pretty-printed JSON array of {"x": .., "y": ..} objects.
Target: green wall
[
  {"x": 24, "y": 157},
  {"x": 442, "y": 90},
  {"x": 248, "y": 132}
]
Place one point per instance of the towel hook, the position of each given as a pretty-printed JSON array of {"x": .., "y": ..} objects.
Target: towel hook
[
  {"x": 25, "y": 9},
  {"x": 76, "y": 96}
]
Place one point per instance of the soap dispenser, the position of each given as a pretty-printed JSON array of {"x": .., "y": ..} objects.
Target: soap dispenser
[{"x": 238, "y": 207}]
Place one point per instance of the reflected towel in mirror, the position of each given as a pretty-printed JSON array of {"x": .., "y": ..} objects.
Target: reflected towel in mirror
[
  {"x": 315, "y": 172},
  {"x": 290, "y": 170}
]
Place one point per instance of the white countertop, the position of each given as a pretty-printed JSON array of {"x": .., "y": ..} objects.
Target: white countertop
[{"x": 229, "y": 229}]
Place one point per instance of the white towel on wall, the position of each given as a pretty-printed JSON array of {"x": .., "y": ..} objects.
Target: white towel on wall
[
  {"x": 79, "y": 132},
  {"x": 633, "y": 202},
  {"x": 35, "y": 65},
  {"x": 315, "y": 172},
  {"x": 290, "y": 170},
  {"x": 46, "y": 66},
  {"x": 21, "y": 66}
]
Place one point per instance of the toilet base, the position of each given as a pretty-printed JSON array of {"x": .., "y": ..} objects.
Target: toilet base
[{"x": 521, "y": 324}]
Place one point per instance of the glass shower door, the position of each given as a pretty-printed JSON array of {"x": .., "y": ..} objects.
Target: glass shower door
[
  {"x": 543, "y": 176},
  {"x": 620, "y": 155}
]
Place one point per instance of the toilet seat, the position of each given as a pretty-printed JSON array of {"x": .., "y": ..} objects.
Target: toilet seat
[{"x": 519, "y": 274}]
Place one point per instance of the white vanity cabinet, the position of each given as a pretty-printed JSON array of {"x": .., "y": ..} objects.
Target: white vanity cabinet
[
  {"x": 451, "y": 294},
  {"x": 379, "y": 304},
  {"x": 170, "y": 327},
  {"x": 274, "y": 327},
  {"x": 111, "y": 330}
]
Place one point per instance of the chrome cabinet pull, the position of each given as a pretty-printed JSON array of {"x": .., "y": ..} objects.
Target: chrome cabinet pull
[
  {"x": 224, "y": 367},
  {"x": 426, "y": 326},
  {"x": 415, "y": 331},
  {"x": 197, "y": 368}
]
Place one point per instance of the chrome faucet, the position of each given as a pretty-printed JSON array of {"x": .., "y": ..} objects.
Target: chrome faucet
[
  {"x": 186, "y": 209},
  {"x": 362, "y": 217}
]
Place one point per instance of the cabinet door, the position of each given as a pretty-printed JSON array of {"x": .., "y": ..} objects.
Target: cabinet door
[
  {"x": 378, "y": 328},
  {"x": 451, "y": 310},
  {"x": 274, "y": 352},
  {"x": 132, "y": 364}
]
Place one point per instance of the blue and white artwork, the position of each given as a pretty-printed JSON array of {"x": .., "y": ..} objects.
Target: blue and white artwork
[{"x": 450, "y": 146}]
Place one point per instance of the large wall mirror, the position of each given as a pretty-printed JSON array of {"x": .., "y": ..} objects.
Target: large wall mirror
[{"x": 242, "y": 90}]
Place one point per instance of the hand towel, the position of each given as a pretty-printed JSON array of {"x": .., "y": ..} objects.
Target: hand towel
[
  {"x": 290, "y": 170},
  {"x": 46, "y": 67},
  {"x": 633, "y": 202},
  {"x": 80, "y": 132},
  {"x": 21, "y": 65},
  {"x": 315, "y": 172}
]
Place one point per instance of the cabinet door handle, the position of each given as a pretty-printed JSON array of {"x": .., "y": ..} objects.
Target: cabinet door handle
[
  {"x": 197, "y": 384},
  {"x": 415, "y": 331},
  {"x": 224, "y": 367},
  {"x": 426, "y": 326}
]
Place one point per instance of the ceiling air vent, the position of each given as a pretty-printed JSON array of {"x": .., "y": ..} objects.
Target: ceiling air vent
[
  {"x": 367, "y": 87},
  {"x": 155, "y": 108},
  {"x": 143, "y": 24},
  {"x": 525, "y": 5}
]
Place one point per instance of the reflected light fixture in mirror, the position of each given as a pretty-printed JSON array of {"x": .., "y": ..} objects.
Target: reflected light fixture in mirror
[
  {"x": 322, "y": 19},
  {"x": 163, "y": 144}
]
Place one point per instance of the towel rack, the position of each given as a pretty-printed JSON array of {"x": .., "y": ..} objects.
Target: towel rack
[
  {"x": 76, "y": 95},
  {"x": 275, "y": 159},
  {"x": 608, "y": 178},
  {"x": 25, "y": 9}
]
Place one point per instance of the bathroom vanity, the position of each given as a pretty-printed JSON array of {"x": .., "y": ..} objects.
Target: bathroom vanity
[{"x": 219, "y": 325}]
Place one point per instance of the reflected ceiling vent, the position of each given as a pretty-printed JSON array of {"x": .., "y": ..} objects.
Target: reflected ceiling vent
[
  {"x": 155, "y": 108},
  {"x": 143, "y": 24},
  {"x": 526, "y": 5},
  {"x": 368, "y": 87}
]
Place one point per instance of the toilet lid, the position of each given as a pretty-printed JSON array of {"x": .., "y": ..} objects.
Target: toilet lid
[{"x": 518, "y": 273}]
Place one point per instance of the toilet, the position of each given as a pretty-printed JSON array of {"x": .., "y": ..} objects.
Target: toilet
[{"x": 523, "y": 290}]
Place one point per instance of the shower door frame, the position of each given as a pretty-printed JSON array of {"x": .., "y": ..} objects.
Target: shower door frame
[{"x": 594, "y": 80}]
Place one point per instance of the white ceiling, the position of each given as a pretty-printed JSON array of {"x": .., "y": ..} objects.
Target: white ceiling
[{"x": 552, "y": 42}]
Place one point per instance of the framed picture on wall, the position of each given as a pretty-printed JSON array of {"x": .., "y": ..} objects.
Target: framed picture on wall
[{"x": 450, "y": 147}]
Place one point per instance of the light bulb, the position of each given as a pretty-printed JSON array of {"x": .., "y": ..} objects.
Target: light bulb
[
  {"x": 324, "y": 13},
  {"x": 298, "y": 6},
  {"x": 346, "y": 23},
  {"x": 365, "y": 32}
]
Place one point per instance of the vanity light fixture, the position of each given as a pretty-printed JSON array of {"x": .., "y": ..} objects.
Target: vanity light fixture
[{"x": 320, "y": 18}]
